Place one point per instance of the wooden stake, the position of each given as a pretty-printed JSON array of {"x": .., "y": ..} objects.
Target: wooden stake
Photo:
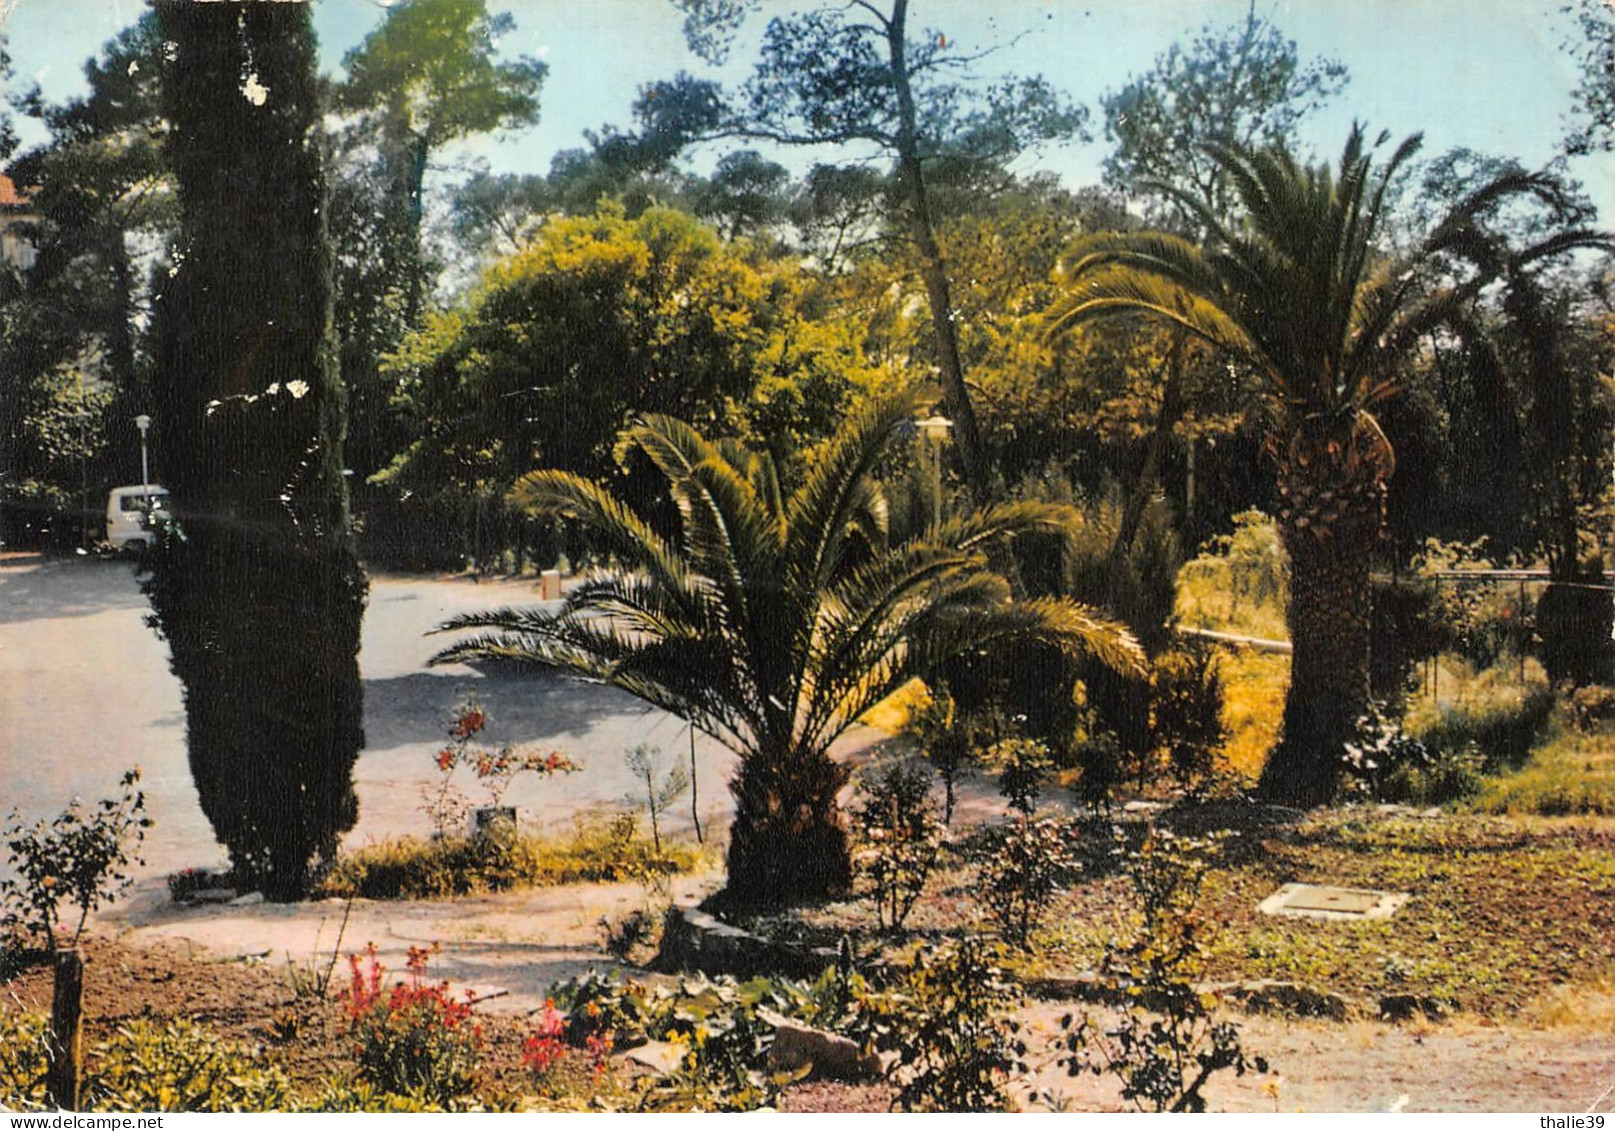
[{"x": 67, "y": 1030}]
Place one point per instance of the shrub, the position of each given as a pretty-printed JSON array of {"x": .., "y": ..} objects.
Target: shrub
[
  {"x": 1166, "y": 1043},
  {"x": 414, "y": 1037},
  {"x": 1099, "y": 765},
  {"x": 1186, "y": 706},
  {"x": 1024, "y": 767},
  {"x": 178, "y": 1065},
  {"x": 946, "y": 1022},
  {"x": 79, "y": 860},
  {"x": 898, "y": 838},
  {"x": 596, "y": 852},
  {"x": 623, "y": 936},
  {"x": 1379, "y": 759},
  {"x": 945, "y": 740},
  {"x": 601, "y": 1010},
  {"x": 445, "y": 803},
  {"x": 1021, "y": 869},
  {"x": 24, "y": 1060},
  {"x": 1591, "y": 706},
  {"x": 658, "y": 785},
  {"x": 1503, "y": 730}
]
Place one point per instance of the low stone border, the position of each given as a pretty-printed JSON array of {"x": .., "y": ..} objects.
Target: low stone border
[
  {"x": 1264, "y": 996},
  {"x": 695, "y": 940}
]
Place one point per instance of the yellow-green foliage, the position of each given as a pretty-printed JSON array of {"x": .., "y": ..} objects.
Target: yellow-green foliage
[
  {"x": 1254, "y": 684},
  {"x": 181, "y": 1066},
  {"x": 1239, "y": 583},
  {"x": 23, "y": 1060},
  {"x": 596, "y": 852},
  {"x": 1571, "y": 773}
]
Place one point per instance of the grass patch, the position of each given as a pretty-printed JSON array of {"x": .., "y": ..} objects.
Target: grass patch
[
  {"x": 595, "y": 852},
  {"x": 1501, "y": 913},
  {"x": 1254, "y": 684},
  {"x": 1505, "y": 913},
  {"x": 1571, "y": 773}
]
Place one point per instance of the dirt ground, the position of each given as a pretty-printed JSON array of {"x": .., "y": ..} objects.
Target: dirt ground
[{"x": 231, "y": 968}]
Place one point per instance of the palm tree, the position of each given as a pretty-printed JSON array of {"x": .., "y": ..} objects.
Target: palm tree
[
  {"x": 1299, "y": 293},
  {"x": 773, "y": 622}
]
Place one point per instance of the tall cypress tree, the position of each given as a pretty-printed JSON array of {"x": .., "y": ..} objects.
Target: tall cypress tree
[{"x": 256, "y": 585}]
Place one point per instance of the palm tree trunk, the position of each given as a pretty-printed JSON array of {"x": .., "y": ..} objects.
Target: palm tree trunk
[
  {"x": 1329, "y": 626},
  {"x": 788, "y": 842},
  {"x": 1332, "y": 482}
]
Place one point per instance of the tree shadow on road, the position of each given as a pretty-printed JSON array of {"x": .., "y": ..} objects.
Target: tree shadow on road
[
  {"x": 67, "y": 587},
  {"x": 527, "y": 705}
]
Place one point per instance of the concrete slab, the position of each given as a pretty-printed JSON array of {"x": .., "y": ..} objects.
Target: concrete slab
[{"x": 1318, "y": 901}]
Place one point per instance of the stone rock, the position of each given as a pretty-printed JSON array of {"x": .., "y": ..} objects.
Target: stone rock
[
  {"x": 251, "y": 899},
  {"x": 1403, "y": 1007},
  {"x": 695, "y": 940},
  {"x": 659, "y": 1056},
  {"x": 1087, "y": 986},
  {"x": 1270, "y": 996},
  {"x": 830, "y": 1056},
  {"x": 212, "y": 895}
]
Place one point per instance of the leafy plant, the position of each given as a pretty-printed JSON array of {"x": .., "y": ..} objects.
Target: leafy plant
[
  {"x": 946, "y": 741},
  {"x": 80, "y": 860},
  {"x": 946, "y": 1022},
  {"x": 1099, "y": 764},
  {"x": 898, "y": 838},
  {"x": 1186, "y": 705},
  {"x": 445, "y": 803},
  {"x": 660, "y": 786},
  {"x": 24, "y": 1060},
  {"x": 415, "y": 1037},
  {"x": 628, "y": 933},
  {"x": 1022, "y": 867},
  {"x": 178, "y": 1065},
  {"x": 1025, "y": 764},
  {"x": 1380, "y": 752},
  {"x": 1166, "y": 1042}
]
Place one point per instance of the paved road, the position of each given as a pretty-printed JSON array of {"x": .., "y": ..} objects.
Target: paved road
[{"x": 85, "y": 692}]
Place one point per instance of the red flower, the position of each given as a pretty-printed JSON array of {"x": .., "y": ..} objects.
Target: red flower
[{"x": 470, "y": 722}]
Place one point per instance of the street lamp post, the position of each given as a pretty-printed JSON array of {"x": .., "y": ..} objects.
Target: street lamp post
[
  {"x": 934, "y": 431},
  {"x": 143, "y": 422}
]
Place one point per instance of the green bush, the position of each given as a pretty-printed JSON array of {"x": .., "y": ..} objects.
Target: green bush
[
  {"x": 1503, "y": 730},
  {"x": 947, "y": 1023},
  {"x": 1099, "y": 764},
  {"x": 1024, "y": 765},
  {"x": 897, "y": 838},
  {"x": 180, "y": 1066},
  {"x": 1166, "y": 1042},
  {"x": 1186, "y": 709},
  {"x": 1022, "y": 867},
  {"x": 1592, "y": 706},
  {"x": 77, "y": 862}
]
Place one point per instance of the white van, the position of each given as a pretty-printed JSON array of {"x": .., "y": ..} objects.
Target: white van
[{"x": 126, "y": 515}]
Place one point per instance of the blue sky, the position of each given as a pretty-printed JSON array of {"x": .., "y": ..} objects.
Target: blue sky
[{"x": 1487, "y": 74}]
